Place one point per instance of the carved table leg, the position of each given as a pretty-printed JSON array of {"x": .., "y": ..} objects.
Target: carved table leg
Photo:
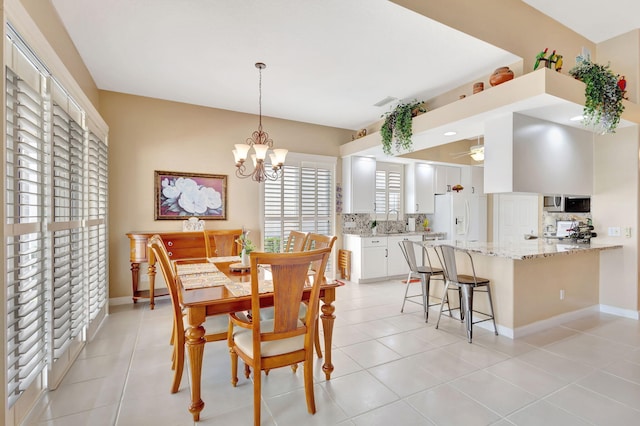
[
  {"x": 135, "y": 268},
  {"x": 152, "y": 283},
  {"x": 194, "y": 340},
  {"x": 327, "y": 324}
]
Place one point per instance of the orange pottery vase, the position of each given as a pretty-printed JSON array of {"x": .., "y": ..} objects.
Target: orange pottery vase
[{"x": 500, "y": 75}]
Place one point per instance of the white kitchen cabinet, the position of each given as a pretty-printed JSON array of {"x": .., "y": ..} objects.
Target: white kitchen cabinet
[
  {"x": 377, "y": 258},
  {"x": 374, "y": 258},
  {"x": 396, "y": 263},
  {"x": 419, "y": 181},
  {"x": 472, "y": 179},
  {"x": 445, "y": 178},
  {"x": 358, "y": 184}
]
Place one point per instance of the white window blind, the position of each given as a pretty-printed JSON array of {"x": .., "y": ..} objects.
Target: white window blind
[
  {"x": 388, "y": 191},
  {"x": 69, "y": 314},
  {"x": 301, "y": 201},
  {"x": 97, "y": 225},
  {"x": 55, "y": 225},
  {"x": 27, "y": 265}
]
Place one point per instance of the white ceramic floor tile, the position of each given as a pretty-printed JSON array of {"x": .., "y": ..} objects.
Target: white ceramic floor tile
[
  {"x": 291, "y": 408},
  {"x": 613, "y": 387},
  {"x": 358, "y": 393},
  {"x": 626, "y": 370},
  {"x": 370, "y": 353},
  {"x": 405, "y": 376},
  {"x": 491, "y": 391},
  {"x": 397, "y": 413},
  {"x": 446, "y": 406},
  {"x": 390, "y": 368},
  {"x": 563, "y": 368},
  {"x": 590, "y": 350},
  {"x": 405, "y": 343},
  {"x": 444, "y": 365},
  {"x": 527, "y": 377},
  {"x": 593, "y": 407},
  {"x": 542, "y": 413}
]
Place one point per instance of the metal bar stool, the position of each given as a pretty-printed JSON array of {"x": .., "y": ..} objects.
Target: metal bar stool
[
  {"x": 467, "y": 284},
  {"x": 423, "y": 271}
]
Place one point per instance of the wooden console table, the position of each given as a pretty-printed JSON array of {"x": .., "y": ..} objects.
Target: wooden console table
[{"x": 179, "y": 245}]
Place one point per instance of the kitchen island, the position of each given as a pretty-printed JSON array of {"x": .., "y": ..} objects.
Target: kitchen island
[{"x": 535, "y": 283}]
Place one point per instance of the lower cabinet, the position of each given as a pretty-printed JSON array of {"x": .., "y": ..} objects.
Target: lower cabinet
[{"x": 377, "y": 258}]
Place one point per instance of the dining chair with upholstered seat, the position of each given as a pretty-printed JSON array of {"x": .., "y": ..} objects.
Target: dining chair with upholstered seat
[
  {"x": 295, "y": 241},
  {"x": 283, "y": 340},
  {"x": 219, "y": 243},
  {"x": 216, "y": 326},
  {"x": 424, "y": 270},
  {"x": 468, "y": 285}
]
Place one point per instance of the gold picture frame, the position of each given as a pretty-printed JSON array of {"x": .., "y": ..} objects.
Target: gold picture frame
[{"x": 179, "y": 196}]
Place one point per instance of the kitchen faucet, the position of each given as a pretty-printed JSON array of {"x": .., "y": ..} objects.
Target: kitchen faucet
[{"x": 387, "y": 219}]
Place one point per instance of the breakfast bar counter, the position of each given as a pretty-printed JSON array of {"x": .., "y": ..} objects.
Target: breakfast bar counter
[{"x": 535, "y": 283}]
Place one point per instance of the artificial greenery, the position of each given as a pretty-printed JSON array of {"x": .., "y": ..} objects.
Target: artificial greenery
[
  {"x": 603, "y": 104},
  {"x": 398, "y": 126}
]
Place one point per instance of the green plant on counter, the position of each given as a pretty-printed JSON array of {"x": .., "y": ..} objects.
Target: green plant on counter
[
  {"x": 398, "y": 127},
  {"x": 373, "y": 224},
  {"x": 603, "y": 97}
]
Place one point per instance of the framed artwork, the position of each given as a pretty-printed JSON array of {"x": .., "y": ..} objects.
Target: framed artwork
[{"x": 180, "y": 196}]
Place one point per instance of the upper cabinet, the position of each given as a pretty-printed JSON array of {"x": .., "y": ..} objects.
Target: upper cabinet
[
  {"x": 419, "y": 182},
  {"x": 445, "y": 178},
  {"x": 472, "y": 179},
  {"x": 526, "y": 154},
  {"x": 359, "y": 184}
]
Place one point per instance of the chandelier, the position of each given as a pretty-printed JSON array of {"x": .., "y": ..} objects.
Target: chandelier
[{"x": 261, "y": 144}]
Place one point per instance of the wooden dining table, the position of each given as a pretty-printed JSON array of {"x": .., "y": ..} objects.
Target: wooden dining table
[{"x": 198, "y": 303}]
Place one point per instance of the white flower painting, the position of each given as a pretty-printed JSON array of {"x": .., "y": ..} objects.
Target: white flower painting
[{"x": 180, "y": 196}]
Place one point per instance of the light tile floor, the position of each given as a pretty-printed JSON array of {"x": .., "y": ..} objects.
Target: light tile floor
[{"x": 390, "y": 368}]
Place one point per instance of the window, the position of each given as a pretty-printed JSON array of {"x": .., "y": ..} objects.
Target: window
[
  {"x": 55, "y": 224},
  {"x": 388, "y": 190},
  {"x": 303, "y": 200}
]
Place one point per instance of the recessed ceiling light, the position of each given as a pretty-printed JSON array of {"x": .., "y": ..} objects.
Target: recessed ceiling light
[
  {"x": 449, "y": 133},
  {"x": 577, "y": 118}
]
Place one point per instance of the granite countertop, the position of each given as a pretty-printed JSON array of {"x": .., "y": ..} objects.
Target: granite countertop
[
  {"x": 527, "y": 249},
  {"x": 435, "y": 235}
]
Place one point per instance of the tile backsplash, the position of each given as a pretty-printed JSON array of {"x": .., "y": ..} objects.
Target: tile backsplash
[{"x": 360, "y": 223}]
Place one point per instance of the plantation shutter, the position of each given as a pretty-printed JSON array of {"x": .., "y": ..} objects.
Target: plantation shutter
[
  {"x": 301, "y": 201},
  {"x": 27, "y": 255}
]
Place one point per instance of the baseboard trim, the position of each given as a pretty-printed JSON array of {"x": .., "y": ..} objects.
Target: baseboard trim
[
  {"x": 113, "y": 301},
  {"x": 626, "y": 313}
]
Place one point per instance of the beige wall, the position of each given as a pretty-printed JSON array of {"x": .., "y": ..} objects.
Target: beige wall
[
  {"x": 149, "y": 134},
  {"x": 46, "y": 17},
  {"x": 509, "y": 24}
]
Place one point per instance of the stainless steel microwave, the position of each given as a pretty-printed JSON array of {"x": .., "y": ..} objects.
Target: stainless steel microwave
[
  {"x": 553, "y": 203},
  {"x": 566, "y": 204}
]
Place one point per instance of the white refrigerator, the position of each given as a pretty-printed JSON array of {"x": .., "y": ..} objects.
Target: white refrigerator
[{"x": 463, "y": 217}]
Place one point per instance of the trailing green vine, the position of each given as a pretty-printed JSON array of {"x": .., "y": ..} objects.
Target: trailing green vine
[
  {"x": 398, "y": 127},
  {"x": 603, "y": 96}
]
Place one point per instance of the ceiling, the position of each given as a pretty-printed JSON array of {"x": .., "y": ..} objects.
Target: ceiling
[{"x": 327, "y": 62}]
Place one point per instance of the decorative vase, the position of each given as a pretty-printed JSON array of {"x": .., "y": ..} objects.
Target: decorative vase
[
  {"x": 374, "y": 231},
  {"x": 500, "y": 75},
  {"x": 244, "y": 258}
]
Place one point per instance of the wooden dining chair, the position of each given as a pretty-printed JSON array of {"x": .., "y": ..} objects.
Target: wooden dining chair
[
  {"x": 216, "y": 326},
  {"x": 283, "y": 340},
  {"x": 221, "y": 242},
  {"x": 295, "y": 241},
  {"x": 313, "y": 242}
]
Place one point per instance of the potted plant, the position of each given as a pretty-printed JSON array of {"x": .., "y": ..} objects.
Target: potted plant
[
  {"x": 603, "y": 96},
  {"x": 374, "y": 228},
  {"x": 398, "y": 125}
]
